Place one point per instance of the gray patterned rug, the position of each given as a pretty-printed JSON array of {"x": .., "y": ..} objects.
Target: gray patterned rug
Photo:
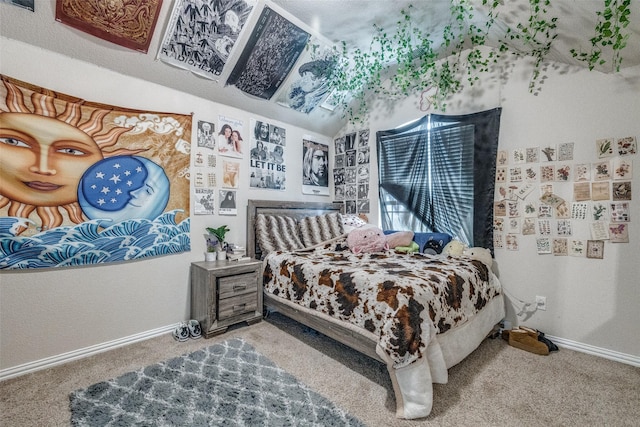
[{"x": 228, "y": 384}]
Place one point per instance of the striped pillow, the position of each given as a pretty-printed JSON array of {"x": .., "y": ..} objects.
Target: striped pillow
[
  {"x": 277, "y": 233},
  {"x": 318, "y": 229}
]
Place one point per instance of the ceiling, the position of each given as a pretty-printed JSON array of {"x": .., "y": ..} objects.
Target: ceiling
[{"x": 351, "y": 21}]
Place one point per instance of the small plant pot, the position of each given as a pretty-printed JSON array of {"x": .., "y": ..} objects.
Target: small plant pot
[
  {"x": 209, "y": 256},
  {"x": 222, "y": 256}
]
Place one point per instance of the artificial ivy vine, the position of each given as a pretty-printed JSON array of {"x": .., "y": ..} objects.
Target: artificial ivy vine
[{"x": 408, "y": 60}]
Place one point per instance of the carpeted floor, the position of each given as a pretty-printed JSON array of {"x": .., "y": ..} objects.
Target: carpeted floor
[{"x": 497, "y": 385}]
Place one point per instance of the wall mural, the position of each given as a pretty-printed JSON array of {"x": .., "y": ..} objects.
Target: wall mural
[{"x": 85, "y": 183}]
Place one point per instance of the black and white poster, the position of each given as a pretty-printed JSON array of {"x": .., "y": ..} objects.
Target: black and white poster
[
  {"x": 202, "y": 33},
  {"x": 315, "y": 168},
  {"x": 351, "y": 171},
  {"x": 269, "y": 55},
  {"x": 267, "y": 162}
]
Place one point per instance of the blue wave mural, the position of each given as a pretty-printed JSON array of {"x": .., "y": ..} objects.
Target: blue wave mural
[{"x": 88, "y": 243}]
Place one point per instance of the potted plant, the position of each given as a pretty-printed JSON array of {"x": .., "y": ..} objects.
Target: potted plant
[{"x": 219, "y": 234}]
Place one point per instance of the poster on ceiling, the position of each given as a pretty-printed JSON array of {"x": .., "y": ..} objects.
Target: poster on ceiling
[
  {"x": 201, "y": 34},
  {"x": 131, "y": 26},
  {"x": 308, "y": 85},
  {"x": 272, "y": 50},
  {"x": 85, "y": 183}
]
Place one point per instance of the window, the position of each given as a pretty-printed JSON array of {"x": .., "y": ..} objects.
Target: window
[{"x": 437, "y": 175}]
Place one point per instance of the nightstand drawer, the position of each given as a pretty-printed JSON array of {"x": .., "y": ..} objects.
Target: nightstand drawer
[
  {"x": 240, "y": 284},
  {"x": 237, "y": 305}
]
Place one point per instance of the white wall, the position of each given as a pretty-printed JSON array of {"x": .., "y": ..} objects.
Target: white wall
[
  {"x": 593, "y": 304},
  {"x": 52, "y": 314}
]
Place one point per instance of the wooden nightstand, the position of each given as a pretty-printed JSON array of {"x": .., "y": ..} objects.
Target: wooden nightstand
[{"x": 224, "y": 293}]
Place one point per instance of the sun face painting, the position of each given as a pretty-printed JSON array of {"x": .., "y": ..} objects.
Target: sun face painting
[{"x": 65, "y": 162}]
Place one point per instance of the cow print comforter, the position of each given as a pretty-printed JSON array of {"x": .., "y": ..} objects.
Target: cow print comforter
[{"x": 393, "y": 296}]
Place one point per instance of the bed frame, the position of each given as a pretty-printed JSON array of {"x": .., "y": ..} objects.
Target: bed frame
[{"x": 349, "y": 337}]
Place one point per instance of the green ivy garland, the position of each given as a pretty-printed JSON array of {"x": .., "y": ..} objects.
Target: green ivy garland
[{"x": 409, "y": 61}]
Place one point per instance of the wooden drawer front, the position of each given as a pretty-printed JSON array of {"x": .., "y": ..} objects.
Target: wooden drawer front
[
  {"x": 237, "y": 305},
  {"x": 240, "y": 284}
]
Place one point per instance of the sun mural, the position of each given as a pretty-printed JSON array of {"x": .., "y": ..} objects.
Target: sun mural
[{"x": 64, "y": 161}]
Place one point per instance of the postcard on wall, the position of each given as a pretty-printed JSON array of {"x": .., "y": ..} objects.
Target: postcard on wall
[
  {"x": 627, "y": 146},
  {"x": 230, "y": 140},
  {"x": 577, "y": 247},
  {"x": 543, "y": 245},
  {"x": 515, "y": 174},
  {"x": 519, "y": 155},
  {"x": 544, "y": 227},
  {"x": 604, "y": 147},
  {"x": 620, "y": 212},
  {"x": 579, "y": 210},
  {"x": 563, "y": 210},
  {"x": 564, "y": 227},
  {"x": 531, "y": 174},
  {"x": 546, "y": 188},
  {"x": 500, "y": 208},
  {"x": 599, "y": 211},
  {"x": 619, "y": 233},
  {"x": 622, "y": 168},
  {"x": 550, "y": 153},
  {"x": 203, "y": 157},
  {"x": 599, "y": 230},
  {"x": 621, "y": 190},
  {"x": 498, "y": 241},
  {"x": 601, "y": 171},
  {"x": 545, "y": 211},
  {"x": 582, "y": 172},
  {"x": 203, "y": 201},
  {"x": 600, "y": 191},
  {"x": 524, "y": 190},
  {"x": 205, "y": 178},
  {"x": 565, "y": 151},
  {"x": 230, "y": 174},
  {"x": 563, "y": 173},
  {"x": 512, "y": 242},
  {"x": 200, "y": 35},
  {"x": 595, "y": 249},
  {"x": 228, "y": 203},
  {"x": 547, "y": 173},
  {"x": 551, "y": 199},
  {"x": 514, "y": 225},
  {"x": 533, "y": 155},
  {"x": 581, "y": 191},
  {"x": 560, "y": 247},
  {"x": 498, "y": 225},
  {"x": 206, "y": 135},
  {"x": 530, "y": 209},
  {"x": 513, "y": 207},
  {"x": 528, "y": 226},
  {"x": 502, "y": 158}
]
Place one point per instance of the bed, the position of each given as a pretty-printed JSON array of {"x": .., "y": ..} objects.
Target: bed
[{"x": 419, "y": 314}]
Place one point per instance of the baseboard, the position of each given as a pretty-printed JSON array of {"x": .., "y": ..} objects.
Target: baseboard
[
  {"x": 60, "y": 359},
  {"x": 596, "y": 351}
]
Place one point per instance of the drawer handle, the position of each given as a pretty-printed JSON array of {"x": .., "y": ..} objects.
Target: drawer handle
[
  {"x": 237, "y": 288},
  {"x": 239, "y": 307}
]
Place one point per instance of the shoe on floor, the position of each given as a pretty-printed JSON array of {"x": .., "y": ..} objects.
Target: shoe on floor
[
  {"x": 195, "y": 331},
  {"x": 528, "y": 341},
  {"x": 181, "y": 332}
]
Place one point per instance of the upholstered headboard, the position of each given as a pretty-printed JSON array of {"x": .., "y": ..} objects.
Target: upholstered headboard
[{"x": 296, "y": 210}]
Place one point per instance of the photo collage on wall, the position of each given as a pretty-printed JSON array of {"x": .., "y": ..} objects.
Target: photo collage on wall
[
  {"x": 267, "y": 166},
  {"x": 578, "y": 206},
  {"x": 351, "y": 171},
  {"x": 228, "y": 143}
]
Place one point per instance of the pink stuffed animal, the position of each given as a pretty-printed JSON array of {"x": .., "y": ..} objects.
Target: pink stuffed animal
[{"x": 367, "y": 240}]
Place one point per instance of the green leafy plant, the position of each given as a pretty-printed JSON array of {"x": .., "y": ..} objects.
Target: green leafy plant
[
  {"x": 608, "y": 33},
  {"x": 409, "y": 61},
  {"x": 220, "y": 234}
]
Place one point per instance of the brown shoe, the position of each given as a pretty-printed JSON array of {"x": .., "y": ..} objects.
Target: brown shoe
[{"x": 528, "y": 341}]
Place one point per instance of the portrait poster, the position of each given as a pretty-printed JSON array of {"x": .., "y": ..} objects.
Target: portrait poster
[
  {"x": 267, "y": 162},
  {"x": 201, "y": 35},
  {"x": 272, "y": 50},
  {"x": 228, "y": 203},
  {"x": 131, "y": 27},
  {"x": 86, "y": 183},
  {"x": 230, "y": 137},
  {"x": 230, "y": 174},
  {"x": 315, "y": 168},
  {"x": 308, "y": 85}
]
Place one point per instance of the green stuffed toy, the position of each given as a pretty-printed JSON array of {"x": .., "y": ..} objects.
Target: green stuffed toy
[{"x": 412, "y": 248}]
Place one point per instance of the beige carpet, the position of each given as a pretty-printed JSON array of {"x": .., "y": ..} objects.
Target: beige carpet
[{"x": 497, "y": 385}]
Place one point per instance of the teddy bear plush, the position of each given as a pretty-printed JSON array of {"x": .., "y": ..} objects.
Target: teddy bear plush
[
  {"x": 367, "y": 240},
  {"x": 481, "y": 254}
]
